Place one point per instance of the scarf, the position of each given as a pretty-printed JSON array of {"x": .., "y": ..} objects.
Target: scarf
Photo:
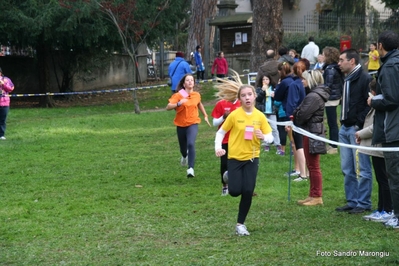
[{"x": 346, "y": 92}]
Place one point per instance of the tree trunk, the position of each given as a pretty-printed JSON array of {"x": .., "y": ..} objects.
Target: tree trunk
[
  {"x": 43, "y": 68},
  {"x": 200, "y": 10},
  {"x": 267, "y": 30}
]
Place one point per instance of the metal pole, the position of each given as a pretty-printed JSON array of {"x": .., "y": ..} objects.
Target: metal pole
[{"x": 161, "y": 59}]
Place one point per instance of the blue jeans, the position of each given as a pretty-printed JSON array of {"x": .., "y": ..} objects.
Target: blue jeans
[{"x": 357, "y": 190}]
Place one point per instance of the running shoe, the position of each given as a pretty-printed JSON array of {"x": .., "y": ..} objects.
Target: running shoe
[{"x": 241, "y": 230}]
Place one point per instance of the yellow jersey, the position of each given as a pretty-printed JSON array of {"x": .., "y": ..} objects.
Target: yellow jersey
[
  {"x": 374, "y": 64},
  {"x": 243, "y": 144}
]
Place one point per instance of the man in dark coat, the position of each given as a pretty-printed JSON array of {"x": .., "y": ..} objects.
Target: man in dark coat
[
  {"x": 269, "y": 68},
  {"x": 386, "y": 105},
  {"x": 353, "y": 113}
]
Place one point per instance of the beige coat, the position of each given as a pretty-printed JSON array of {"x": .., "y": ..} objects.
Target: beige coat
[{"x": 366, "y": 135}]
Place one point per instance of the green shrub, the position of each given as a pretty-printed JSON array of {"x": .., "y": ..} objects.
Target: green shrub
[{"x": 298, "y": 40}]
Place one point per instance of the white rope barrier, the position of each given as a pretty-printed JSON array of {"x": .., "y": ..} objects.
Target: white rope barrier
[{"x": 310, "y": 135}]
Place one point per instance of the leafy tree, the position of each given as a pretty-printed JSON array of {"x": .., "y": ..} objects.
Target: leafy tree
[
  {"x": 136, "y": 22},
  {"x": 78, "y": 30},
  {"x": 66, "y": 37}
]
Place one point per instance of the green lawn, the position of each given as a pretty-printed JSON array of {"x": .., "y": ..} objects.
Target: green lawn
[{"x": 103, "y": 186}]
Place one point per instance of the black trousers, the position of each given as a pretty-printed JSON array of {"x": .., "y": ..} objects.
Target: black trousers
[
  {"x": 384, "y": 194},
  {"x": 223, "y": 162},
  {"x": 242, "y": 181},
  {"x": 200, "y": 75},
  {"x": 392, "y": 167}
]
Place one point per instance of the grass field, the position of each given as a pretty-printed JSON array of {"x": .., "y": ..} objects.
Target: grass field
[{"x": 103, "y": 186}]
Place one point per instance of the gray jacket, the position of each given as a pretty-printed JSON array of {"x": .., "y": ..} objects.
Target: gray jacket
[
  {"x": 309, "y": 114},
  {"x": 366, "y": 135}
]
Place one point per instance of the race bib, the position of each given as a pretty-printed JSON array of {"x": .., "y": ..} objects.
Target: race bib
[
  {"x": 249, "y": 132},
  {"x": 183, "y": 93}
]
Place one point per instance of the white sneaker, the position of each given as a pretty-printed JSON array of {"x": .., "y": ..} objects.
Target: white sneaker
[
  {"x": 183, "y": 161},
  {"x": 2, "y": 137},
  {"x": 293, "y": 173},
  {"x": 391, "y": 222},
  {"x": 190, "y": 172},
  {"x": 226, "y": 177},
  {"x": 241, "y": 230},
  {"x": 385, "y": 216},
  {"x": 374, "y": 215},
  {"x": 300, "y": 178},
  {"x": 225, "y": 191}
]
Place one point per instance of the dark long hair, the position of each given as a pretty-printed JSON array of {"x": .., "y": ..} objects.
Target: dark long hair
[{"x": 181, "y": 82}]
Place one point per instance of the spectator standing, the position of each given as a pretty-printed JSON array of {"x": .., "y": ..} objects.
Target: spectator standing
[
  {"x": 296, "y": 94},
  {"x": 199, "y": 63},
  {"x": 306, "y": 62},
  {"x": 265, "y": 104},
  {"x": 353, "y": 112},
  {"x": 6, "y": 86},
  {"x": 310, "y": 52},
  {"x": 247, "y": 126},
  {"x": 186, "y": 104},
  {"x": 280, "y": 100},
  {"x": 221, "y": 66},
  {"x": 320, "y": 63},
  {"x": 269, "y": 68},
  {"x": 309, "y": 116},
  {"x": 364, "y": 138},
  {"x": 291, "y": 95},
  {"x": 386, "y": 105},
  {"x": 294, "y": 55},
  {"x": 373, "y": 64},
  {"x": 177, "y": 69},
  {"x": 284, "y": 56},
  {"x": 333, "y": 78}
]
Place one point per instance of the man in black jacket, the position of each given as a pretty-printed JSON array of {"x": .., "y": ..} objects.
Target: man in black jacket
[
  {"x": 386, "y": 105},
  {"x": 353, "y": 112}
]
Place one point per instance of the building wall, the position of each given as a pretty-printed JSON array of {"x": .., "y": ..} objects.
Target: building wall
[
  {"x": 24, "y": 74},
  {"x": 304, "y": 7}
]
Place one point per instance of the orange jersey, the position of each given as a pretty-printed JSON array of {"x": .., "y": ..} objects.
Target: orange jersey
[{"x": 187, "y": 113}]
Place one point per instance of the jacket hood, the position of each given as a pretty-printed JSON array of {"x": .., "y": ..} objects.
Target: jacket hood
[
  {"x": 286, "y": 58},
  {"x": 323, "y": 91}
]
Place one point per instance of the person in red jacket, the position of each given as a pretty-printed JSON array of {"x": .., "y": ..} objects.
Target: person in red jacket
[{"x": 220, "y": 63}]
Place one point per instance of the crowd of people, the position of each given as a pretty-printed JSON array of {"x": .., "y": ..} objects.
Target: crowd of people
[{"x": 303, "y": 89}]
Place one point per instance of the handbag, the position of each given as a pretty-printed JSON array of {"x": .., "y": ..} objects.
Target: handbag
[
  {"x": 317, "y": 146},
  {"x": 169, "y": 81}
]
